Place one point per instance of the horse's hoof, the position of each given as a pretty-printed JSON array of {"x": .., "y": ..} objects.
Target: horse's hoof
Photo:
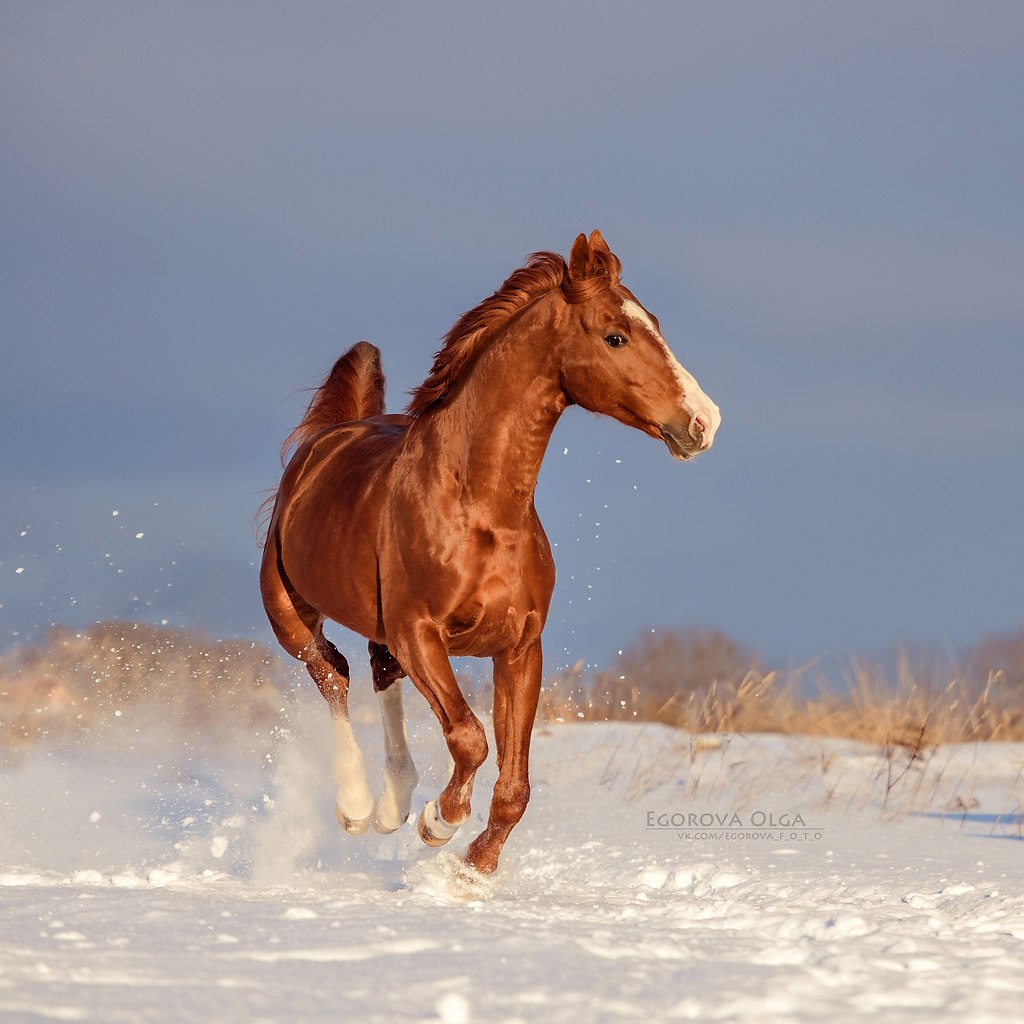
[
  {"x": 433, "y": 829},
  {"x": 383, "y": 808},
  {"x": 428, "y": 837},
  {"x": 386, "y": 830},
  {"x": 353, "y": 826},
  {"x": 483, "y": 865}
]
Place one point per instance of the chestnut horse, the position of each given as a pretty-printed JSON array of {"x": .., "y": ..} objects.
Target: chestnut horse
[{"x": 419, "y": 531}]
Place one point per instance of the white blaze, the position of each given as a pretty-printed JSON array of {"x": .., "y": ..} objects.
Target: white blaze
[{"x": 695, "y": 402}]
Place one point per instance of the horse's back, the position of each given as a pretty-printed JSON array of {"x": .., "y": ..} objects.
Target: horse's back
[{"x": 359, "y": 448}]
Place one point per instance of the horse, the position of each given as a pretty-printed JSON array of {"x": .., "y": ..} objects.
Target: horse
[{"x": 419, "y": 531}]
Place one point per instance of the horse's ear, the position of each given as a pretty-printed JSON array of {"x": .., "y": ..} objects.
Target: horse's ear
[
  {"x": 604, "y": 256},
  {"x": 581, "y": 259}
]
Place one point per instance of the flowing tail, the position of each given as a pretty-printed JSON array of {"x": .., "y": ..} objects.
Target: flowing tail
[{"x": 353, "y": 390}]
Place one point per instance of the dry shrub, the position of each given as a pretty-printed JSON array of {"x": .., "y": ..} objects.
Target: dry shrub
[
  {"x": 652, "y": 678},
  {"x": 914, "y": 707},
  {"x": 77, "y": 682},
  {"x": 1000, "y": 659}
]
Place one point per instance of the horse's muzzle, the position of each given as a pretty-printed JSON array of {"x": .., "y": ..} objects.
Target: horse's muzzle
[
  {"x": 686, "y": 442},
  {"x": 680, "y": 447}
]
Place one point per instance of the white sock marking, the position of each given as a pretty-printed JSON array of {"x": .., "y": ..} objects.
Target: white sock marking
[
  {"x": 400, "y": 778},
  {"x": 354, "y": 799},
  {"x": 436, "y": 825}
]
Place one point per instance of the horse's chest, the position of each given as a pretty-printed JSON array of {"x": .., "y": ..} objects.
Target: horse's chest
[
  {"x": 487, "y": 623},
  {"x": 494, "y": 601}
]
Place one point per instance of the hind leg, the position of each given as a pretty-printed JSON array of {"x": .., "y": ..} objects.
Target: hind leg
[
  {"x": 329, "y": 669},
  {"x": 391, "y": 808},
  {"x": 299, "y": 629}
]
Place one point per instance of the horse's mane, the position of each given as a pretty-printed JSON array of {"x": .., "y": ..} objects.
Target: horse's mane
[
  {"x": 594, "y": 268},
  {"x": 472, "y": 331}
]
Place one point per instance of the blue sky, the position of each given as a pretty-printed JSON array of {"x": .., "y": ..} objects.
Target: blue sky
[{"x": 202, "y": 205}]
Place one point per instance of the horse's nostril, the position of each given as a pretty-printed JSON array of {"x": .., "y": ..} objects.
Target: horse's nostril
[{"x": 700, "y": 427}]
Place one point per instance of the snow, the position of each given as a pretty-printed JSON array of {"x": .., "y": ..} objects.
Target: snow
[{"x": 163, "y": 880}]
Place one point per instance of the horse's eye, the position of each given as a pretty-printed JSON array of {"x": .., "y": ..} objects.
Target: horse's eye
[{"x": 616, "y": 340}]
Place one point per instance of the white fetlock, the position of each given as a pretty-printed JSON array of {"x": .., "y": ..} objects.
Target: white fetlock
[
  {"x": 386, "y": 816},
  {"x": 391, "y": 808},
  {"x": 433, "y": 829},
  {"x": 354, "y": 803},
  {"x": 353, "y": 826}
]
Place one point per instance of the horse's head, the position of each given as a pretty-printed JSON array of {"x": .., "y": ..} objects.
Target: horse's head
[{"x": 615, "y": 361}]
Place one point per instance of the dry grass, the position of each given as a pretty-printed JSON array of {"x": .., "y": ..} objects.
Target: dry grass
[
  {"x": 79, "y": 683},
  {"x": 909, "y": 708}
]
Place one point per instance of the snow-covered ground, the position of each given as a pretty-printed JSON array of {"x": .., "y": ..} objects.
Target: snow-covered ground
[{"x": 151, "y": 880}]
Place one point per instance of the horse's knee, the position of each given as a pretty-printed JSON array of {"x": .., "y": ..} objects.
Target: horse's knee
[
  {"x": 467, "y": 742},
  {"x": 508, "y": 803}
]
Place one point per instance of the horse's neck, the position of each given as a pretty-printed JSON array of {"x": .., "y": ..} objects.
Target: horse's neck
[{"x": 494, "y": 429}]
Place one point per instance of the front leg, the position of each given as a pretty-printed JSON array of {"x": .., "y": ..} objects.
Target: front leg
[
  {"x": 423, "y": 654},
  {"x": 516, "y": 692}
]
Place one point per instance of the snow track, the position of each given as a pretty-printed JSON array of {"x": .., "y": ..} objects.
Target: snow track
[{"x": 220, "y": 889}]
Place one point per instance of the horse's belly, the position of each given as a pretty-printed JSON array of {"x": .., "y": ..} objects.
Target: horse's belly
[
  {"x": 339, "y": 581},
  {"x": 327, "y": 537}
]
